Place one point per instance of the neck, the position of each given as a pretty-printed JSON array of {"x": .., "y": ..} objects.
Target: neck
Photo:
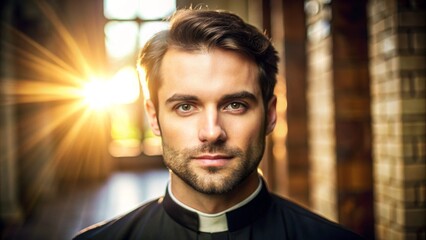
[{"x": 209, "y": 203}]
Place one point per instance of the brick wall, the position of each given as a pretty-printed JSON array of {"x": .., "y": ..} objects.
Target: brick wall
[{"x": 398, "y": 74}]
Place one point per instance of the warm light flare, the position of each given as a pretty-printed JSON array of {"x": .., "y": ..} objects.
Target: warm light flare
[
  {"x": 96, "y": 94},
  {"x": 122, "y": 88}
]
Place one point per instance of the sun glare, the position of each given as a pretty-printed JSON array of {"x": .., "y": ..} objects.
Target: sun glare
[
  {"x": 95, "y": 94},
  {"x": 122, "y": 88}
]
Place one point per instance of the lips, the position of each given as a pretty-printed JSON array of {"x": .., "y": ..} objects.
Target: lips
[
  {"x": 213, "y": 157},
  {"x": 210, "y": 160}
]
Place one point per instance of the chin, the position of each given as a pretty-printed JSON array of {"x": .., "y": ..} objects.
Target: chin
[{"x": 215, "y": 185}]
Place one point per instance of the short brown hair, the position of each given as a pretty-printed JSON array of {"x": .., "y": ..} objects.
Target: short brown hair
[{"x": 199, "y": 29}]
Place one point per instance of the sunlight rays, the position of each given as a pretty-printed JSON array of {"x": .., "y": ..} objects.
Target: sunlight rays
[
  {"x": 42, "y": 51},
  {"x": 58, "y": 134},
  {"x": 71, "y": 45},
  {"x": 31, "y": 91},
  {"x": 63, "y": 113},
  {"x": 87, "y": 143}
]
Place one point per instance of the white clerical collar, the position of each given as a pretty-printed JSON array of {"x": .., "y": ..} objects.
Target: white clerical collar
[{"x": 215, "y": 222}]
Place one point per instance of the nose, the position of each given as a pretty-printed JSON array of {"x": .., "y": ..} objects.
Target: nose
[{"x": 211, "y": 129}]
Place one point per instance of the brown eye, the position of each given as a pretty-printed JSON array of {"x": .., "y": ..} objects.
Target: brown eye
[
  {"x": 235, "y": 107},
  {"x": 185, "y": 107}
]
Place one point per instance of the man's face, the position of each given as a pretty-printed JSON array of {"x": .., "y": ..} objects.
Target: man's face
[{"x": 211, "y": 117}]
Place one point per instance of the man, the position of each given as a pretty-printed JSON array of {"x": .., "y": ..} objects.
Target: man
[{"x": 211, "y": 79}]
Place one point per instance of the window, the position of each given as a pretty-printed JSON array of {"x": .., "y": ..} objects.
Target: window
[{"x": 130, "y": 23}]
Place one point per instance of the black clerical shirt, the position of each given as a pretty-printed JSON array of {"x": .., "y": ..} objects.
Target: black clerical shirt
[{"x": 266, "y": 216}]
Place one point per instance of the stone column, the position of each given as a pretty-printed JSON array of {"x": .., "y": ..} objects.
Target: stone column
[
  {"x": 10, "y": 210},
  {"x": 339, "y": 113},
  {"x": 398, "y": 76},
  {"x": 294, "y": 70},
  {"x": 321, "y": 112}
]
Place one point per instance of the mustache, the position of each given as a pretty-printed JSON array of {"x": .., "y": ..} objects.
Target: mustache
[{"x": 214, "y": 148}]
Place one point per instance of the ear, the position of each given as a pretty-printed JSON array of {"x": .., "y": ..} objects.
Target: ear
[
  {"x": 152, "y": 117},
  {"x": 271, "y": 115}
]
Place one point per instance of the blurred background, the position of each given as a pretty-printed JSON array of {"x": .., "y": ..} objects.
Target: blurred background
[{"x": 75, "y": 147}]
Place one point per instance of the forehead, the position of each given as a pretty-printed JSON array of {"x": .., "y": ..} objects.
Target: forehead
[{"x": 208, "y": 71}]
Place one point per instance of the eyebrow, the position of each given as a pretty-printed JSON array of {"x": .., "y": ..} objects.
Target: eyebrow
[
  {"x": 238, "y": 95},
  {"x": 181, "y": 97}
]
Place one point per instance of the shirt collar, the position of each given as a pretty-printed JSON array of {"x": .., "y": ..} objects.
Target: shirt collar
[{"x": 231, "y": 219}]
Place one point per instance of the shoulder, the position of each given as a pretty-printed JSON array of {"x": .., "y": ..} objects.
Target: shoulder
[
  {"x": 121, "y": 226},
  {"x": 304, "y": 224}
]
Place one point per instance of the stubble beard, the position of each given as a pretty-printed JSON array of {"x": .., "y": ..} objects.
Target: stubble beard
[{"x": 214, "y": 180}]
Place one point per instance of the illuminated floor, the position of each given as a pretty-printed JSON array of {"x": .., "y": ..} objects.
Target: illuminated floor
[{"x": 75, "y": 209}]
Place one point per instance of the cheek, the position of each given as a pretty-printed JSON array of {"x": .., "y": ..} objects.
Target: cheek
[
  {"x": 178, "y": 134},
  {"x": 245, "y": 132}
]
